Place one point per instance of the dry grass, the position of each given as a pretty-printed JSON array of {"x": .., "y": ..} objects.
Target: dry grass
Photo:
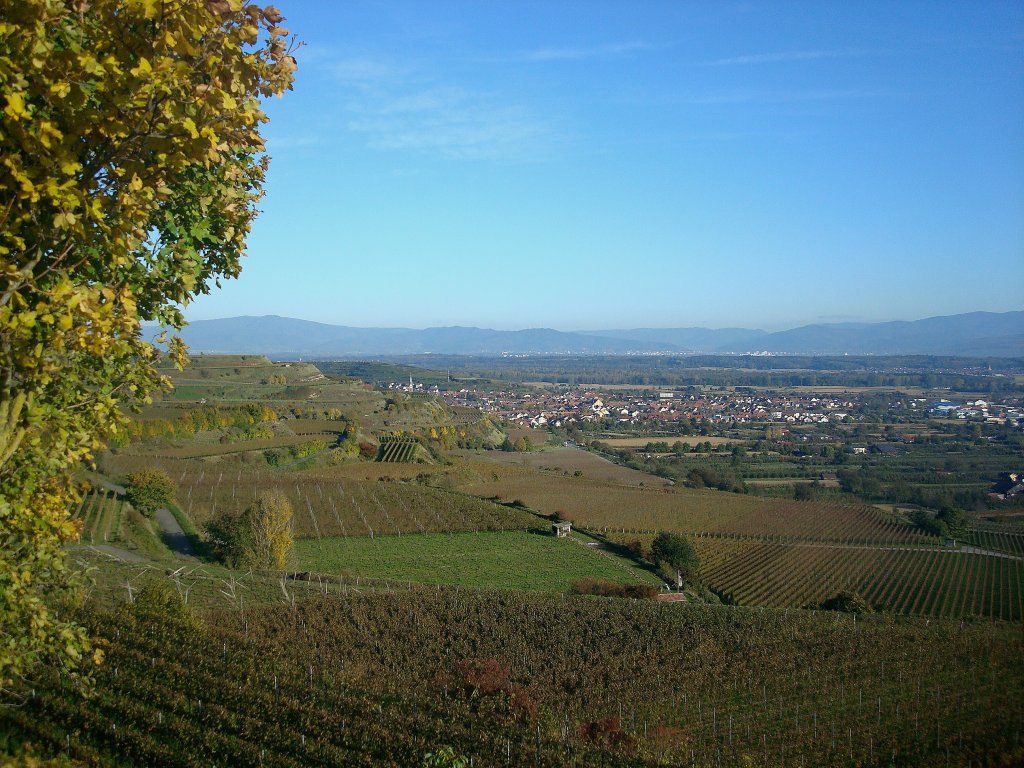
[{"x": 570, "y": 460}]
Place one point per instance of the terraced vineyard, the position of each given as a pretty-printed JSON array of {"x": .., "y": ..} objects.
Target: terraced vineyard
[
  {"x": 397, "y": 450},
  {"x": 505, "y": 678},
  {"x": 100, "y": 513},
  {"x": 929, "y": 582}
]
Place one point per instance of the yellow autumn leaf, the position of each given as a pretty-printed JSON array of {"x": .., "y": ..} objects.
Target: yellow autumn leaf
[
  {"x": 64, "y": 220},
  {"x": 16, "y": 106},
  {"x": 143, "y": 68}
]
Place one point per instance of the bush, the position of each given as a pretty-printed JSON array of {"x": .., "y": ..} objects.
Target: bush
[
  {"x": 486, "y": 684},
  {"x": 673, "y": 554},
  {"x": 637, "y": 549},
  {"x": 847, "y": 602},
  {"x": 589, "y": 585},
  {"x": 160, "y": 600},
  {"x": 260, "y": 537},
  {"x": 607, "y": 734},
  {"x": 149, "y": 489},
  {"x": 806, "y": 491}
]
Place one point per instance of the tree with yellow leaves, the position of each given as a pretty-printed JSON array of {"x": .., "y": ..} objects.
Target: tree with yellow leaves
[
  {"x": 269, "y": 522},
  {"x": 260, "y": 537},
  {"x": 130, "y": 167}
]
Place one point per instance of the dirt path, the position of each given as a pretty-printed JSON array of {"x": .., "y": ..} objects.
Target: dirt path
[
  {"x": 970, "y": 548},
  {"x": 174, "y": 536}
]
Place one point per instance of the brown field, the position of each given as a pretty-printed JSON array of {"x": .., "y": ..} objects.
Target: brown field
[
  {"x": 536, "y": 437},
  {"x": 569, "y": 460},
  {"x": 603, "y": 505}
]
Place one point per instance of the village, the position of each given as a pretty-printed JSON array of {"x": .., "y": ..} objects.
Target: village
[{"x": 561, "y": 406}]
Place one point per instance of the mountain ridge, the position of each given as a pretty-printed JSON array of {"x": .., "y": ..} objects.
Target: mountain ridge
[{"x": 984, "y": 334}]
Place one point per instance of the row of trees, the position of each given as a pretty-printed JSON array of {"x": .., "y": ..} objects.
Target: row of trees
[{"x": 196, "y": 420}]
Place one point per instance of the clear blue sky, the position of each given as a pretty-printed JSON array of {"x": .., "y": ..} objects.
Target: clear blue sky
[{"x": 584, "y": 165}]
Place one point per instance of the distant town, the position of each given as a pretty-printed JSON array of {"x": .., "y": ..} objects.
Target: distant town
[{"x": 561, "y": 407}]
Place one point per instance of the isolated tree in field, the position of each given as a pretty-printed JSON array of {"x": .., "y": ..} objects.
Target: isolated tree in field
[
  {"x": 130, "y": 168},
  {"x": 674, "y": 556},
  {"x": 269, "y": 524},
  {"x": 260, "y": 537},
  {"x": 149, "y": 489}
]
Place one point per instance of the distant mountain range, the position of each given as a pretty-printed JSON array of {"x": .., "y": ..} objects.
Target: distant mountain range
[{"x": 976, "y": 334}]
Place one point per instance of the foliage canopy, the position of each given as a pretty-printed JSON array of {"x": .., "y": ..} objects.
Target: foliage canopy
[
  {"x": 149, "y": 489},
  {"x": 130, "y": 168},
  {"x": 674, "y": 555},
  {"x": 260, "y": 537}
]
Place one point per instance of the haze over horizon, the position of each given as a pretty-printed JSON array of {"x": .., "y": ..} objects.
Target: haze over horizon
[
  {"x": 823, "y": 320},
  {"x": 757, "y": 165}
]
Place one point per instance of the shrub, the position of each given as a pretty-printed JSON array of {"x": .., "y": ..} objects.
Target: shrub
[
  {"x": 260, "y": 537},
  {"x": 607, "y": 733},
  {"x": 847, "y": 602},
  {"x": 486, "y": 683},
  {"x": 589, "y": 585},
  {"x": 149, "y": 489}
]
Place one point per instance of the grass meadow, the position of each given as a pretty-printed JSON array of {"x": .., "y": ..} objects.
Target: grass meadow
[{"x": 511, "y": 560}]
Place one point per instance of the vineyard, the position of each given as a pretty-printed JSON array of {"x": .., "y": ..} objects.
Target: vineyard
[
  {"x": 397, "y": 450},
  {"x": 506, "y": 678},
  {"x": 100, "y": 514},
  {"x": 599, "y": 505},
  {"x": 327, "y": 505},
  {"x": 912, "y": 581},
  {"x": 998, "y": 539}
]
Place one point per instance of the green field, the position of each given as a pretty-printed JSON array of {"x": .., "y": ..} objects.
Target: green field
[{"x": 511, "y": 560}]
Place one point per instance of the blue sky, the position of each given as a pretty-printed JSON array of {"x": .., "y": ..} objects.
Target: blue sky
[{"x": 584, "y": 165}]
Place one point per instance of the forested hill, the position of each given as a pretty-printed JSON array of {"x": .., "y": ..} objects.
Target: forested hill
[{"x": 977, "y": 334}]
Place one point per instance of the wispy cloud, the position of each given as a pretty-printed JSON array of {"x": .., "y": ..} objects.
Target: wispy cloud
[
  {"x": 398, "y": 106},
  {"x": 779, "y": 97},
  {"x": 786, "y": 56},
  {"x": 363, "y": 71},
  {"x": 573, "y": 53},
  {"x": 450, "y": 122}
]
